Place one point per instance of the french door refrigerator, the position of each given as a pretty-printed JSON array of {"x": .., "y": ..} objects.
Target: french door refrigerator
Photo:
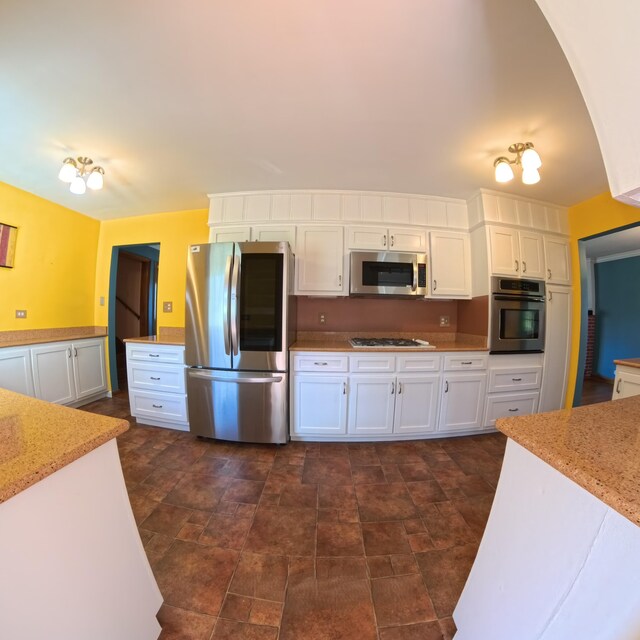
[{"x": 238, "y": 327}]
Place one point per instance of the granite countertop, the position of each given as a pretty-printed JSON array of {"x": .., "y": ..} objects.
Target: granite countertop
[
  {"x": 38, "y": 438},
  {"x": 596, "y": 446},
  {"x": 26, "y": 337},
  {"x": 340, "y": 342},
  {"x": 166, "y": 335},
  {"x": 629, "y": 362}
]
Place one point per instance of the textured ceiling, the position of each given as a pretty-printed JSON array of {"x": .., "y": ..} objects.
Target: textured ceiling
[{"x": 179, "y": 99}]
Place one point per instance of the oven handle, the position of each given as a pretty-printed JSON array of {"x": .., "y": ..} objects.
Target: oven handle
[{"x": 508, "y": 298}]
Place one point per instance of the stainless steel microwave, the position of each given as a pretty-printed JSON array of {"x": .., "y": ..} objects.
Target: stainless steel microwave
[{"x": 387, "y": 273}]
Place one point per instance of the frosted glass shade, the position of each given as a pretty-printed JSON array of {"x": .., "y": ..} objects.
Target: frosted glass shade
[
  {"x": 67, "y": 172},
  {"x": 530, "y": 176},
  {"x": 504, "y": 172},
  {"x": 78, "y": 186},
  {"x": 531, "y": 159},
  {"x": 95, "y": 181}
]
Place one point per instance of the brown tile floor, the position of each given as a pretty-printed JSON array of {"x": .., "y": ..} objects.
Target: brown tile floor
[{"x": 307, "y": 541}]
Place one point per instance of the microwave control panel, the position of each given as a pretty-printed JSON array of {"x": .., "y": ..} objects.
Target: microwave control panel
[{"x": 422, "y": 274}]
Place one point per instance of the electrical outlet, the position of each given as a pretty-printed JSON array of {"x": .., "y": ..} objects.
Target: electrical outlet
[
  {"x": 322, "y": 318},
  {"x": 167, "y": 307},
  {"x": 444, "y": 321},
  {"x": 102, "y": 301},
  {"x": 21, "y": 313}
]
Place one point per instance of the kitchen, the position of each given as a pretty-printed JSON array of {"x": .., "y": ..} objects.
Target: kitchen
[{"x": 79, "y": 255}]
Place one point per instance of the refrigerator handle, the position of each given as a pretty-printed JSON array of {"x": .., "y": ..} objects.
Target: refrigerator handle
[
  {"x": 226, "y": 310},
  {"x": 235, "y": 306}
]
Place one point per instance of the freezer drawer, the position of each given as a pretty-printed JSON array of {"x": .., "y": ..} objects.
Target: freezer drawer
[{"x": 238, "y": 406}]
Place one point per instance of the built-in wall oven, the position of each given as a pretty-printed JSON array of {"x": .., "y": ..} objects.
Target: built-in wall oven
[{"x": 517, "y": 315}]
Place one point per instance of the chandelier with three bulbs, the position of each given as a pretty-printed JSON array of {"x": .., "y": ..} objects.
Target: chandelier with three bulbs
[{"x": 80, "y": 174}]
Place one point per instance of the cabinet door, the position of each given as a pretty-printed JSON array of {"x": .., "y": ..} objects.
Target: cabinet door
[
  {"x": 557, "y": 344},
  {"x": 462, "y": 403},
  {"x": 416, "y": 404},
  {"x": 371, "y": 404},
  {"x": 230, "y": 234},
  {"x": 626, "y": 384},
  {"x": 319, "y": 405},
  {"x": 450, "y": 265},
  {"x": 504, "y": 252},
  {"x": 407, "y": 239},
  {"x": 374, "y": 238},
  {"x": 89, "y": 368},
  {"x": 531, "y": 255},
  {"x": 15, "y": 370},
  {"x": 280, "y": 233},
  {"x": 320, "y": 260},
  {"x": 53, "y": 373},
  {"x": 557, "y": 256}
]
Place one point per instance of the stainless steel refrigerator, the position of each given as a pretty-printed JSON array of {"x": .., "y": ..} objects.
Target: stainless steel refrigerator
[{"x": 240, "y": 321}]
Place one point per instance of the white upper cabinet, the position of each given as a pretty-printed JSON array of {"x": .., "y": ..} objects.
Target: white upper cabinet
[
  {"x": 320, "y": 261},
  {"x": 558, "y": 260},
  {"x": 504, "y": 252},
  {"x": 450, "y": 265},
  {"x": 383, "y": 239},
  {"x": 257, "y": 233},
  {"x": 531, "y": 254},
  {"x": 230, "y": 234}
]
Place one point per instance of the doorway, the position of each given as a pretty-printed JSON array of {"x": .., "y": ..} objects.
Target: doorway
[
  {"x": 610, "y": 305},
  {"x": 132, "y": 302}
]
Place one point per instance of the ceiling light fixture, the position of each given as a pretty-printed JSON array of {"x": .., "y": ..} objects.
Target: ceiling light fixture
[
  {"x": 79, "y": 176},
  {"x": 526, "y": 156}
]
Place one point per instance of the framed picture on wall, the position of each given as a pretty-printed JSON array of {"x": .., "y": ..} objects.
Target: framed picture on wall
[{"x": 8, "y": 235}]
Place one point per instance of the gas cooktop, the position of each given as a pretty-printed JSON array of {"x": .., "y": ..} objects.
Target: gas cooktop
[{"x": 391, "y": 343}]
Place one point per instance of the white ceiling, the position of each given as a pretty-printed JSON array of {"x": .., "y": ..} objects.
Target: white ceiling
[
  {"x": 179, "y": 99},
  {"x": 619, "y": 242}
]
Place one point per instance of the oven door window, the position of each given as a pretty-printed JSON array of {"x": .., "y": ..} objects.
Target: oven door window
[
  {"x": 519, "y": 324},
  {"x": 387, "y": 274}
]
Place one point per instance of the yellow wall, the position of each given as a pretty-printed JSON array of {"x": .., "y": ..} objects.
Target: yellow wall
[
  {"x": 588, "y": 218},
  {"x": 55, "y": 264},
  {"x": 174, "y": 232}
]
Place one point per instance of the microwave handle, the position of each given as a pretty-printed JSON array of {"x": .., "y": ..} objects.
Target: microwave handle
[{"x": 414, "y": 286}]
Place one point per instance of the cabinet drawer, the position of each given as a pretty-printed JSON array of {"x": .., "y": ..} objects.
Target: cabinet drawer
[
  {"x": 418, "y": 362},
  {"x": 372, "y": 363},
  {"x": 321, "y": 362},
  {"x": 155, "y": 353},
  {"x": 509, "y": 405},
  {"x": 162, "y": 406},
  {"x": 465, "y": 362},
  {"x": 514, "y": 379},
  {"x": 156, "y": 377}
]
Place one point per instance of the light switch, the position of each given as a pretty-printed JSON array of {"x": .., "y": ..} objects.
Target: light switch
[
  {"x": 167, "y": 307},
  {"x": 102, "y": 301},
  {"x": 21, "y": 313}
]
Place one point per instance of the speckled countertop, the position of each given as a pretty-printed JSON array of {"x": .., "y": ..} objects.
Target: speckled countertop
[
  {"x": 26, "y": 337},
  {"x": 629, "y": 362},
  {"x": 597, "y": 446},
  {"x": 166, "y": 335},
  {"x": 340, "y": 342},
  {"x": 38, "y": 438}
]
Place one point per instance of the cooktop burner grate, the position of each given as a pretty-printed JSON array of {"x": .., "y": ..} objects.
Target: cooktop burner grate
[{"x": 385, "y": 342}]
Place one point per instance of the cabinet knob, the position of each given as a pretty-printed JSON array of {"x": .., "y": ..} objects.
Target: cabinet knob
[
  {"x": 516, "y": 379},
  {"x": 550, "y": 296},
  {"x": 435, "y": 285},
  {"x": 517, "y": 266},
  {"x": 467, "y": 362},
  {"x": 393, "y": 388},
  {"x": 618, "y": 385},
  {"x": 340, "y": 280},
  {"x": 513, "y": 409},
  {"x": 399, "y": 388},
  {"x": 384, "y": 240},
  {"x": 69, "y": 352},
  {"x": 392, "y": 241},
  {"x": 549, "y": 274},
  {"x": 154, "y": 355},
  {"x": 157, "y": 406},
  {"x": 321, "y": 364},
  {"x": 524, "y": 267},
  {"x": 344, "y": 388},
  {"x": 154, "y": 378},
  {"x": 446, "y": 386}
]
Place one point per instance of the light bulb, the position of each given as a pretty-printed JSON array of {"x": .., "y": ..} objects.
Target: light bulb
[
  {"x": 68, "y": 170},
  {"x": 530, "y": 176},
  {"x": 504, "y": 172},
  {"x": 530, "y": 159},
  {"x": 78, "y": 186},
  {"x": 95, "y": 181}
]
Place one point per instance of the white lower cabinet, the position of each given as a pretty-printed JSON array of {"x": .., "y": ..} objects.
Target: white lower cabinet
[
  {"x": 627, "y": 382},
  {"x": 514, "y": 386},
  {"x": 71, "y": 373},
  {"x": 15, "y": 370},
  {"x": 157, "y": 389},
  {"x": 463, "y": 396},
  {"x": 384, "y": 396}
]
